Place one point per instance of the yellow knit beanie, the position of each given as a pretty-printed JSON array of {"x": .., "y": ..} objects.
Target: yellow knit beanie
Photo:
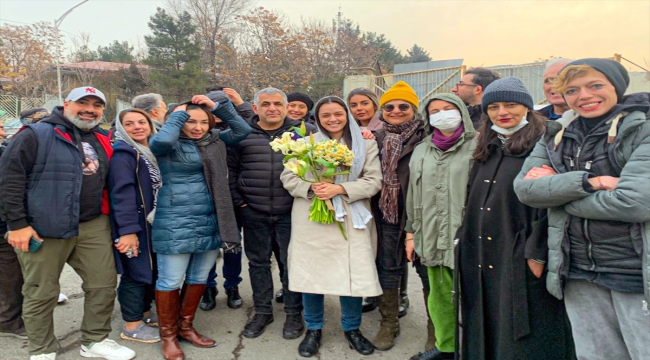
[{"x": 400, "y": 91}]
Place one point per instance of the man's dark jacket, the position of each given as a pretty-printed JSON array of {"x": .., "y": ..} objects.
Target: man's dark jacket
[
  {"x": 475, "y": 113},
  {"x": 42, "y": 182},
  {"x": 254, "y": 170}
]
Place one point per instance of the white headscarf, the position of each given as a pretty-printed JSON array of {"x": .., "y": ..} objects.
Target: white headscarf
[{"x": 360, "y": 215}]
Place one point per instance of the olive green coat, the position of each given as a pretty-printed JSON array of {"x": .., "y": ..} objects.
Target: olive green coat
[{"x": 437, "y": 193}]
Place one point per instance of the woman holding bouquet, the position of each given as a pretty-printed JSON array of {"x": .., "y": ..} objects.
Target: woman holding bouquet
[{"x": 349, "y": 271}]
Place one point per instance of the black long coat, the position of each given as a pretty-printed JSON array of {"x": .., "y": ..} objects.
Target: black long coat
[{"x": 507, "y": 313}]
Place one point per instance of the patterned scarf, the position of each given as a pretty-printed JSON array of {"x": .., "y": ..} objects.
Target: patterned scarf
[{"x": 396, "y": 136}]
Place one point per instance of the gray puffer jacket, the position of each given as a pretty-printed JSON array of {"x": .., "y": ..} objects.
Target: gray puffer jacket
[{"x": 566, "y": 198}]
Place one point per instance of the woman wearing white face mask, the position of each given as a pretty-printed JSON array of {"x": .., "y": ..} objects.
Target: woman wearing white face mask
[
  {"x": 506, "y": 311},
  {"x": 439, "y": 168}
]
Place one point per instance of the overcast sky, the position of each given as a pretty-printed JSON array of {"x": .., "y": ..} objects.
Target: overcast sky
[{"x": 483, "y": 32}]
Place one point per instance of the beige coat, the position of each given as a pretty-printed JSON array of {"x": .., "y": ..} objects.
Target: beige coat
[{"x": 320, "y": 260}]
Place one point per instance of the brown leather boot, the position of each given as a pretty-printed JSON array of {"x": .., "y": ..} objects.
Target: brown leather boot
[
  {"x": 168, "y": 304},
  {"x": 389, "y": 309},
  {"x": 192, "y": 295},
  {"x": 431, "y": 333}
]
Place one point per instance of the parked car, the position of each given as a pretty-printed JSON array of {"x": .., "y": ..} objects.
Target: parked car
[{"x": 11, "y": 127}]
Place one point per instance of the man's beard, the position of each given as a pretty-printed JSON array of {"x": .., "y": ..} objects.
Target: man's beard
[{"x": 84, "y": 125}]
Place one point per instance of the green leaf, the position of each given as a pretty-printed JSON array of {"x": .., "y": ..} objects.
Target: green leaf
[
  {"x": 324, "y": 162},
  {"x": 329, "y": 172}
]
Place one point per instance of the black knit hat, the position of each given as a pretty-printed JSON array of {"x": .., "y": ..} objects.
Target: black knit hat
[
  {"x": 296, "y": 96},
  {"x": 509, "y": 89},
  {"x": 613, "y": 71}
]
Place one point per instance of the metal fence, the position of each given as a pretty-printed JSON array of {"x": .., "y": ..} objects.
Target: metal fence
[
  {"x": 532, "y": 75},
  {"x": 426, "y": 83},
  {"x": 11, "y": 106}
]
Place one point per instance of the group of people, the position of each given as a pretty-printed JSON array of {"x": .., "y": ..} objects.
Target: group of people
[{"x": 528, "y": 229}]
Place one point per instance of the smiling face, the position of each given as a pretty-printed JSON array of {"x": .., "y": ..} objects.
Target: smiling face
[
  {"x": 85, "y": 113},
  {"x": 550, "y": 74},
  {"x": 362, "y": 108},
  {"x": 591, "y": 95},
  {"x": 297, "y": 110},
  {"x": 333, "y": 118},
  {"x": 137, "y": 127},
  {"x": 197, "y": 125},
  {"x": 400, "y": 113},
  {"x": 506, "y": 115}
]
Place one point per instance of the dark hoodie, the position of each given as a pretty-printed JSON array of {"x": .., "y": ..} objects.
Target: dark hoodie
[{"x": 22, "y": 151}]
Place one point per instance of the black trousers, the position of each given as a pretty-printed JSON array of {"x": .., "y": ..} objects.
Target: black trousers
[
  {"x": 260, "y": 232},
  {"x": 135, "y": 297},
  {"x": 390, "y": 266},
  {"x": 11, "y": 284}
]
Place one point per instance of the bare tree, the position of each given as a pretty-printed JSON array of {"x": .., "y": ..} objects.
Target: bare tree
[
  {"x": 212, "y": 18},
  {"x": 26, "y": 51},
  {"x": 81, "y": 55}
]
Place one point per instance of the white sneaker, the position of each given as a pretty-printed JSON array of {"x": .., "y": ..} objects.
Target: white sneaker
[
  {"x": 50, "y": 356},
  {"x": 62, "y": 299},
  {"x": 107, "y": 349}
]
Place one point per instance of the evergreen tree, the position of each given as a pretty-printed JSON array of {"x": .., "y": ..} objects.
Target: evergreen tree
[
  {"x": 120, "y": 52},
  {"x": 389, "y": 54},
  {"x": 417, "y": 54},
  {"x": 174, "y": 56}
]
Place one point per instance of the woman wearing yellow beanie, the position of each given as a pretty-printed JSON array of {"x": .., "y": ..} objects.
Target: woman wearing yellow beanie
[{"x": 402, "y": 129}]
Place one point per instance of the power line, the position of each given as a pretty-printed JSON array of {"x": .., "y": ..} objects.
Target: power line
[{"x": 67, "y": 32}]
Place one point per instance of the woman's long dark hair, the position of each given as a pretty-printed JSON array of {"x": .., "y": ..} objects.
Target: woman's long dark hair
[
  {"x": 521, "y": 141},
  {"x": 347, "y": 136}
]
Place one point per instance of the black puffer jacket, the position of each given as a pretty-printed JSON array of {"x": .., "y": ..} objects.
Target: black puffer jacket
[{"x": 254, "y": 170}]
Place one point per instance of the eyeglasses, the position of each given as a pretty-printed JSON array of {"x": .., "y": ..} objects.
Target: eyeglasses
[
  {"x": 401, "y": 107},
  {"x": 463, "y": 84}
]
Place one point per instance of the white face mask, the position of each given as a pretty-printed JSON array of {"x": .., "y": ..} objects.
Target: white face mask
[
  {"x": 446, "y": 120},
  {"x": 512, "y": 130}
]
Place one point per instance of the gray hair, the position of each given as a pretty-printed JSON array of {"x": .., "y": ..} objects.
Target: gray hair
[
  {"x": 557, "y": 61},
  {"x": 269, "y": 91},
  {"x": 147, "y": 102}
]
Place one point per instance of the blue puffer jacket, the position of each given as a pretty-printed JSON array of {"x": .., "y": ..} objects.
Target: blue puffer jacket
[{"x": 185, "y": 220}]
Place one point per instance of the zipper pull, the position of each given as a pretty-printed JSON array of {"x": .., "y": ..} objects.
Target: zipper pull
[
  {"x": 572, "y": 163},
  {"x": 588, "y": 165},
  {"x": 645, "y": 308}
]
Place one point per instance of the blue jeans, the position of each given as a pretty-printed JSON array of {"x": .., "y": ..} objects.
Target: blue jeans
[
  {"x": 231, "y": 271},
  {"x": 193, "y": 267},
  {"x": 314, "y": 311}
]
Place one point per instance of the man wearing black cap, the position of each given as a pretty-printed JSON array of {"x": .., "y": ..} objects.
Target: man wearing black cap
[{"x": 53, "y": 198}]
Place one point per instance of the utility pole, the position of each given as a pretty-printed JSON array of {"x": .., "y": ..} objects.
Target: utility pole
[{"x": 58, "y": 22}]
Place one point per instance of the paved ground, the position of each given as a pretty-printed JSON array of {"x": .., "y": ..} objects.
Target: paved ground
[{"x": 224, "y": 325}]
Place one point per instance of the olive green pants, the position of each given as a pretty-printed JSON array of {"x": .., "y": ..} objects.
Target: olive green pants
[
  {"x": 91, "y": 255},
  {"x": 442, "y": 308}
]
